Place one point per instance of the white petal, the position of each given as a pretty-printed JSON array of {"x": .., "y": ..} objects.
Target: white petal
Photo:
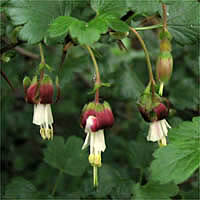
[
  {"x": 166, "y": 123},
  {"x": 164, "y": 127},
  {"x": 99, "y": 141},
  {"x": 87, "y": 141},
  {"x": 38, "y": 116},
  {"x": 92, "y": 138},
  {"x": 49, "y": 113},
  {"x": 155, "y": 132}
]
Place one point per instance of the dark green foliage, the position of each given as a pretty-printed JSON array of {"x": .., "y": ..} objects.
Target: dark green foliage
[{"x": 66, "y": 157}]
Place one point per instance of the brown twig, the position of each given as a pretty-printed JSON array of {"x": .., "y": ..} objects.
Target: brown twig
[
  {"x": 9, "y": 47},
  {"x": 64, "y": 53},
  {"x": 24, "y": 52},
  {"x": 7, "y": 80}
]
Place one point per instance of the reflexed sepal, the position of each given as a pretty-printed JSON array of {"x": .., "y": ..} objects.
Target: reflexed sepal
[{"x": 26, "y": 82}]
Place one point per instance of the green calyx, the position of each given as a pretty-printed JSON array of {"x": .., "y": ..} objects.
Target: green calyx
[
  {"x": 34, "y": 80},
  {"x": 99, "y": 107},
  {"x": 147, "y": 101},
  {"x": 26, "y": 82},
  {"x": 165, "y": 35},
  {"x": 46, "y": 80},
  {"x": 106, "y": 105},
  {"x": 165, "y": 55},
  {"x": 90, "y": 106}
]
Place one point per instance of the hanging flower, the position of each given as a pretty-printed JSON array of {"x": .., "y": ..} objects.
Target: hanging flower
[
  {"x": 96, "y": 141},
  {"x": 40, "y": 93},
  {"x": 158, "y": 132},
  {"x": 95, "y": 118},
  {"x": 155, "y": 110}
]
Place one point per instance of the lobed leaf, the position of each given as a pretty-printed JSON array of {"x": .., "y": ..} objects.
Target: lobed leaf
[
  {"x": 67, "y": 157},
  {"x": 154, "y": 190},
  {"x": 19, "y": 188}
]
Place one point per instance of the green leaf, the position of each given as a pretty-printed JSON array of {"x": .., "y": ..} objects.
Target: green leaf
[
  {"x": 99, "y": 85},
  {"x": 179, "y": 160},
  {"x": 132, "y": 87},
  {"x": 153, "y": 190},
  {"x": 117, "y": 7},
  {"x": 99, "y": 23},
  {"x": 60, "y": 26},
  {"x": 144, "y": 7},
  {"x": 140, "y": 153},
  {"x": 184, "y": 21},
  {"x": 67, "y": 157},
  {"x": 102, "y": 22},
  {"x": 118, "y": 25},
  {"x": 84, "y": 33},
  {"x": 20, "y": 188},
  {"x": 108, "y": 177},
  {"x": 36, "y": 17}
]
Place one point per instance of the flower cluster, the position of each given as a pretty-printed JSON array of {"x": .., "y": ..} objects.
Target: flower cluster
[
  {"x": 95, "y": 118},
  {"x": 40, "y": 93}
]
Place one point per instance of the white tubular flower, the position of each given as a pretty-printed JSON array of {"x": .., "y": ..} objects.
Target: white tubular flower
[
  {"x": 43, "y": 117},
  {"x": 158, "y": 132},
  {"x": 95, "y": 140}
]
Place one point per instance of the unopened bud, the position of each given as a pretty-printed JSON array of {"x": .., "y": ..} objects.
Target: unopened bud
[{"x": 164, "y": 66}]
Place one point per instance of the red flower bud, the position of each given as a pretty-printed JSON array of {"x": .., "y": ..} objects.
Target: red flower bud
[
  {"x": 31, "y": 93},
  {"x": 108, "y": 115},
  {"x": 46, "y": 93},
  {"x": 40, "y": 92},
  {"x": 102, "y": 112},
  {"x": 153, "y": 109}
]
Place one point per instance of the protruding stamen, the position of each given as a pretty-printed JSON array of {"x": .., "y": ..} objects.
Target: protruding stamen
[{"x": 42, "y": 133}]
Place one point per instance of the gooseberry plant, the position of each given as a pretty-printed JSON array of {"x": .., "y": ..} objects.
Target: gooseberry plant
[{"x": 152, "y": 146}]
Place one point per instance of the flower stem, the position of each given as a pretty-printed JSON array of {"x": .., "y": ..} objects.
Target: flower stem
[
  {"x": 151, "y": 78},
  {"x": 41, "y": 54},
  {"x": 95, "y": 176},
  {"x": 56, "y": 184},
  {"x": 98, "y": 80},
  {"x": 164, "y": 9},
  {"x": 148, "y": 27}
]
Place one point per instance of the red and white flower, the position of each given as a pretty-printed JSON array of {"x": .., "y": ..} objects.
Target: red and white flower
[{"x": 40, "y": 93}]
